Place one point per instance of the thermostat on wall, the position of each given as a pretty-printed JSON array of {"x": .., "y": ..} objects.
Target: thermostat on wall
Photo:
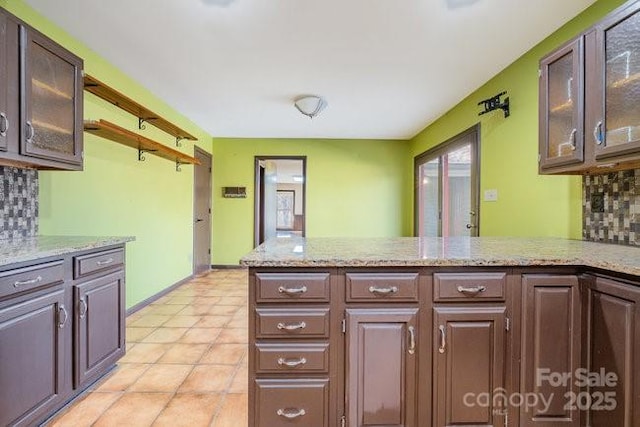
[{"x": 234, "y": 192}]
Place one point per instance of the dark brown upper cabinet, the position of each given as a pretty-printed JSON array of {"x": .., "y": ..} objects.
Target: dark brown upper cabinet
[
  {"x": 589, "y": 99},
  {"x": 561, "y": 106},
  {"x": 41, "y": 100}
]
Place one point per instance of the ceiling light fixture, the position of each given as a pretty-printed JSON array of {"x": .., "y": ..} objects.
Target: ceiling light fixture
[{"x": 310, "y": 105}]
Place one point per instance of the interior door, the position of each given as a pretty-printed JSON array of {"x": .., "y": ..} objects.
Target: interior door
[
  {"x": 447, "y": 181},
  {"x": 202, "y": 212}
]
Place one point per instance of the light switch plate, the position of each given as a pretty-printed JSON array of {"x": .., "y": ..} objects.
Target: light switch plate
[{"x": 491, "y": 195}]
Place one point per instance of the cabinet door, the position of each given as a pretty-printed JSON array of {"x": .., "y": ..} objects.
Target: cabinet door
[
  {"x": 381, "y": 367},
  {"x": 561, "y": 106},
  {"x": 551, "y": 346},
  {"x": 51, "y": 100},
  {"x": 617, "y": 127},
  {"x": 4, "y": 82},
  {"x": 99, "y": 327},
  {"x": 468, "y": 365},
  {"x": 614, "y": 347},
  {"x": 32, "y": 358}
]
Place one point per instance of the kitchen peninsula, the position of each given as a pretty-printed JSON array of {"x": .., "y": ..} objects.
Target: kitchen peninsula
[{"x": 411, "y": 331}]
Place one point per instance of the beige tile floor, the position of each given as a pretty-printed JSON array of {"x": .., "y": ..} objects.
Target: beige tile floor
[{"x": 186, "y": 362}]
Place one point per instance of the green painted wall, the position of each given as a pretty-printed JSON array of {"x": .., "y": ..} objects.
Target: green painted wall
[
  {"x": 354, "y": 188},
  {"x": 528, "y": 204},
  {"x": 116, "y": 194}
]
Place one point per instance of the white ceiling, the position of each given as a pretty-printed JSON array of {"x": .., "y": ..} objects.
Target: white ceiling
[{"x": 386, "y": 67}]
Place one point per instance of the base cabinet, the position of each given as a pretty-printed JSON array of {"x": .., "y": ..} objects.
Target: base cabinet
[
  {"x": 613, "y": 319},
  {"x": 99, "y": 326},
  {"x": 32, "y": 355},
  {"x": 381, "y": 367},
  {"x": 468, "y": 363}
]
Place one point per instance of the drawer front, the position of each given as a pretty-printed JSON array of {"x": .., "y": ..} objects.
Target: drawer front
[
  {"x": 286, "y": 287},
  {"x": 85, "y": 265},
  {"x": 32, "y": 277},
  {"x": 287, "y": 358},
  {"x": 284, "y": 323},
  {"x": 469, "y": 286},
  {"x": 382, "y": 286},
  {"x": 286, "y": 403}
]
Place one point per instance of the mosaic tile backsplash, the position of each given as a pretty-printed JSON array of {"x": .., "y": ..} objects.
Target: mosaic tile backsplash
[
  {"x": 611, "y": 208},
  {"x": 18, "y": 202}
]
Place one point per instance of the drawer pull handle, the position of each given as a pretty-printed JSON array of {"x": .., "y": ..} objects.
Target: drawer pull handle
[
  {"x": 383, "y": 291},
  {"x": 30, "y": 132},
  {"x": 292, "y": 363},
  {"x": 412, "y": 340},
  {"x": 474, "y": 290},
  {"x": 83, "y": 308},
  {"x": 27, "y": 282},
  {"x": 105, "y": 262},
  {"x": 289, "y": 414},
  {"x": 292, "y": 291},
  {"x": 62, "y": 316},
  {"x": 284, "y": 326},
  {"x": 443, "y": 340},
  {"x": 4, "y": 125}
]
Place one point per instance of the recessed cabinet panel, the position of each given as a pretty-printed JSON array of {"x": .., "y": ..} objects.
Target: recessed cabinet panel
[
  {"x": 32, "y": 358},
  {"x": 292, "y": 402},
  {"x": 561, "y": 103},
  {"x": 4, "y": 83}
]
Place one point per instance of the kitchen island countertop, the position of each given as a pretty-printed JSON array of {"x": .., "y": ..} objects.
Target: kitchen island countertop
[
  {"x": 443, "y": 252},
  {"x": 31, "y": 248}
]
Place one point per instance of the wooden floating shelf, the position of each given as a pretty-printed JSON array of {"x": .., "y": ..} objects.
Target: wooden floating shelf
[
  {"x": 144, "y": 145},
  {"x": 144, "y": 115},
  {"x": 626, "y": 81},
  {"x": 563, "y": 108}
]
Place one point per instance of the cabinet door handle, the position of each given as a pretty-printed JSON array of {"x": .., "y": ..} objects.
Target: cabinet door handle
[
  {"x": 30, "y": 132},
  {"x": 383, "y": 291},
  {"x": 572, "y": 138},
  {"x": 292, "y": 291},
  {"x": 4, "y": 124},
  {"x": 473, "y": 290},
  {"x": 412, "y": 340},
  {"x": 62, "y": 316},
  {"x": 83, "y": 308},
  {"x": 443, "y": 340},
  {"x": 597, "y": 134},
  {"x": 27, "y": 282},
  {"x": 294, "y": 327},
  {"x": 292, "y": 363},
  {"x": 291, "y": 413}
]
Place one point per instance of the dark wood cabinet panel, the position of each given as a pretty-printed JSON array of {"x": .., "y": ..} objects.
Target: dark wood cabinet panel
[
  {"x": 381, "y": 367},
  {"x": 468, "y": 360},
  {"x": 32, "y": 357},
  {"x": 613, "y": 336},
  {"x": 306, "y": 287},
  {"x": 375, "y": 287},
  {"x": 99, "y": 326},
  {"x": 4, "y": 83},
  {"x": 292, "y": 402},
  {"x": 458, "y": 287},
  {"x": 551, "y": 346},
  {"x": 292, "y": 322}
]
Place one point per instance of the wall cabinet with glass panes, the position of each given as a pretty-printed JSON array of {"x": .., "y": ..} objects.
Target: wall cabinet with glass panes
[
  {"x": 590, "y": 99},
  {"x": 40, "y": 99}
]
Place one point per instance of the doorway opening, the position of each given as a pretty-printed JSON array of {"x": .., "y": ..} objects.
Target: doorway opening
[
  {"x": 447, "y": 187},
  {"x": 280, "y": 197},
  {"x": 202, "y": 212}
]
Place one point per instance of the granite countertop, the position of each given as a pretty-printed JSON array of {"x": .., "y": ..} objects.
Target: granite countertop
[
  {"x": 32, "y": 248},
  {"x": 452, "y": 251}
]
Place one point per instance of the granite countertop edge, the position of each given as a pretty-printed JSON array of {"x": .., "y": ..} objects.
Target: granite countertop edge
[{"x": 32, "y": 248}]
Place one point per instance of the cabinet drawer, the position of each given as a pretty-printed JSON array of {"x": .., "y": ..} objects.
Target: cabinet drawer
[
  {"x": 32, "y": 277},
  {"x": 469, "y": 286},
  {"x": 285, "y": 287},
  {"x": 85, "y": 265},
  {"x": 286, "y": 403},
  {"x": 382, "y": 286},
  {"x": 282, "y": 323},
  {"x": 286, "y": 358}
]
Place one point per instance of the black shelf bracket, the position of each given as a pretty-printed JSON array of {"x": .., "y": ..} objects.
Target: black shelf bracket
[
  {"x": 494, "y": 103},
  {"x": 178, "y": 139},
  {"x": 178, "y": 166},
  {"x": 141, "y": 122},
  {"x": 141, "y": 152}
]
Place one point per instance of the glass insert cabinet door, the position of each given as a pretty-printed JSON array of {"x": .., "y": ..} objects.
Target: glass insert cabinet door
[
  {"x": 51, "y": 80},
  {"x": 561, "y": 121},
  {"x": 446, "y": 189},
  {"x": 617, "y": 131}
]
